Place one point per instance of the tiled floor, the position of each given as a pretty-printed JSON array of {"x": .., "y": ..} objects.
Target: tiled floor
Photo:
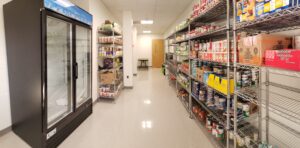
[{"x": 148, "y": 116}]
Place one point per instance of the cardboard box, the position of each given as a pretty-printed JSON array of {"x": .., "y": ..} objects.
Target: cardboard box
[
  {"x": 211, "y": 80},
  {"x": 223, "y": 86},
  {"x": 285, "y": 59},
  {"x": 259, "y": 9},
  {"x": 252, "y": 49},
  {"x": 107, "y": 78}
]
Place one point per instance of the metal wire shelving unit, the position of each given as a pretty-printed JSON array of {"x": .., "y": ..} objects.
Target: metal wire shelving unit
[
  {"x": 117, "y": 69},
  {"x": 216, "y": 11},
  {"x": 277, "y": 121}
]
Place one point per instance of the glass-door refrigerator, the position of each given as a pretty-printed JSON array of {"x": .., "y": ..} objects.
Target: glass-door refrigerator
[{"x": 49, "y": 64}]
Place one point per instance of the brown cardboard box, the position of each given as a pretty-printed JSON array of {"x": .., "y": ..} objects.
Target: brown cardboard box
[
  {"x": 252, "y": 48},
  {"x": 107, "y": 77}
]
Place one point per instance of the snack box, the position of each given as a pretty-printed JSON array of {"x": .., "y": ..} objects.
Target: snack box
[
  {"x": 252, "y": 48},
  {"x": 239, "y": 11},
  {"x": 259, "y": 8},
  {"x": 267, "y": 6},
  {"x": 250, "y": 10},
  {"x": 285, "y": 59}
]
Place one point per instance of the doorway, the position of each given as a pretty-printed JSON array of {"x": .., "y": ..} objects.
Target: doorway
[{"x": 157, "y": 53}]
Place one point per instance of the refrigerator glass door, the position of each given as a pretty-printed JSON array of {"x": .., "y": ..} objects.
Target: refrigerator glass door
[
  {"x": 83, "y": 59},
  {"x": 59, "y": 70}
]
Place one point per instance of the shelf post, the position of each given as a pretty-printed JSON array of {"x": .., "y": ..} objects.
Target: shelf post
[
  {"x": 190, "y": 80},
  {"x": 235, "y": 74},
  {"x": 267, "y": 103},
  {"x": 228, "y": 71}
]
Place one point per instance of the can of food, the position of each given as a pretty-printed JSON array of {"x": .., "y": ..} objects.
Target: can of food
[
  {"x": 220, "y": 132},
  {"x": 246, "y": 110}
]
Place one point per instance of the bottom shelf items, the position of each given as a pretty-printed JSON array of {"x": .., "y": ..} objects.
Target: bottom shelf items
[{"x": 110, "y": 91}]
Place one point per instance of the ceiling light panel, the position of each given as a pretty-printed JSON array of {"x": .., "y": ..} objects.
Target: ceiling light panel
[
  {"x": 147, "y": 22},
  {"x": 147, "y": 31}
]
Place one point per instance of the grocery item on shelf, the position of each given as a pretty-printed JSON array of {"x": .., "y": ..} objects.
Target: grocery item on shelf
[
  {"x": 181, "y": 37},
  {"x": 249, "y": 10},
  {"x": 182, "y": 25},
  {"x": 182, "y": 49},
  {"x": 204, "y": 29},
  {"x": 196, "y": 10},
  {"x": 252, "y": 48},
  {"x": 215, "y": 51},
  {"x": 215, "y": 128},
  {"x": 107, "y": 77},
  {"x": 247, "y": 78},
  {"x": 110, "y": 26},
  {"x": 183, "y": 80},
  {"x": 105, "y": 51},
  {"x": 285, "y": 59},
  {"x": 220, "y": 84},
  {"x": 110, "y": 40},
  {"x": 195, "y": 88},
  {"x": 184, "y": 67},
  {"x": 106, "y": 91},
  {"x": 199, "y": 113}
]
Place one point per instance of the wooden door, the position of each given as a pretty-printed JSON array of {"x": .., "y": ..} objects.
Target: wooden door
[{"x": 157, "y": 53}]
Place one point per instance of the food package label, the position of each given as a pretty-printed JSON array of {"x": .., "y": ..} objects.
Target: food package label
[
  {"x": 259, "y": 10},
  {"x": 285, "y": 59}
]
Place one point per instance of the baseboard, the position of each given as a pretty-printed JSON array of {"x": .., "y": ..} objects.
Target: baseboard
[{"x": 5, "y": 131}]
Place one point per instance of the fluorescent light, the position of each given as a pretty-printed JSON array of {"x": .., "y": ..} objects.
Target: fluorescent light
[
  {"x": 147, "y": 22},
  {"x": 146, "y": 124},
  {"x": 147, "y": 31},
  {"x": 147, "y": 101}
]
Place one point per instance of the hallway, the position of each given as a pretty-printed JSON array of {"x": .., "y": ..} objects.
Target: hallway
[{"x": 148, "y": 116}]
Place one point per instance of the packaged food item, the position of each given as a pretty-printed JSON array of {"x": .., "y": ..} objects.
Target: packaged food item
[
  {"x": 285, "y": 59},
  {"x": 259, "y": 9},
  {"x": 297, "y": 42},
  {"x": 272, "y": 6},
  {"x": 267, "y": 6},
  {"x": 239, "y": 10},
  {"x": 252, "y": 48},
  {"x": 250, "y": 10}
]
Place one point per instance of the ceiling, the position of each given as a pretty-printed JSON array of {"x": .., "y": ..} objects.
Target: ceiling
[{"x": 163, "y": 12}]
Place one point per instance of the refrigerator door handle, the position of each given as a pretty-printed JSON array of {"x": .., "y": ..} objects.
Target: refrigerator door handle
[{"x": 76, "y": 70}]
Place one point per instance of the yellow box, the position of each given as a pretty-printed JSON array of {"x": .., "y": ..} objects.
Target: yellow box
[
  {"x": 211, "y": 80},
  {"x": 217, "y": 83},
  {"x": 223, "y": 86}
]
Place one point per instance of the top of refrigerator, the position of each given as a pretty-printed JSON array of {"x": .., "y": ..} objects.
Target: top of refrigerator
[{"x": 69, "y": 9}]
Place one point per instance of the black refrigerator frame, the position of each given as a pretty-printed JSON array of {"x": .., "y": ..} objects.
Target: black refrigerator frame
[{"x": 26, "y": 37}]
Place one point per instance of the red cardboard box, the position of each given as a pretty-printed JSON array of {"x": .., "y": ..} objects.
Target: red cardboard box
[{"x": 286, "y": 59}]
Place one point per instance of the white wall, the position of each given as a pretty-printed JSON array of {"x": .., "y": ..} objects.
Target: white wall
[
  {"x": 5, "y": 118},
  {"x": 135, "y": 50},
  {"x": 100, "y": 14},
  {"x": 184, "y": 15},
  {"x": 128, "y": 48},
  {"x": 144, "y": 46}
]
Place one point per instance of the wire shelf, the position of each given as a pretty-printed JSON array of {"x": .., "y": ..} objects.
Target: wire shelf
[
  {"x": 217, "y": 114},
  {"x": 283, "y": 20},
  {"x": 216, "y": 10},
  {"x": 109, "y": 32},
  {"x": 220, "y": 32},
  {"x": 183, "y": 86},
  {"x": 217, "y": 143},
  {"x": 248, "y": 94}
]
